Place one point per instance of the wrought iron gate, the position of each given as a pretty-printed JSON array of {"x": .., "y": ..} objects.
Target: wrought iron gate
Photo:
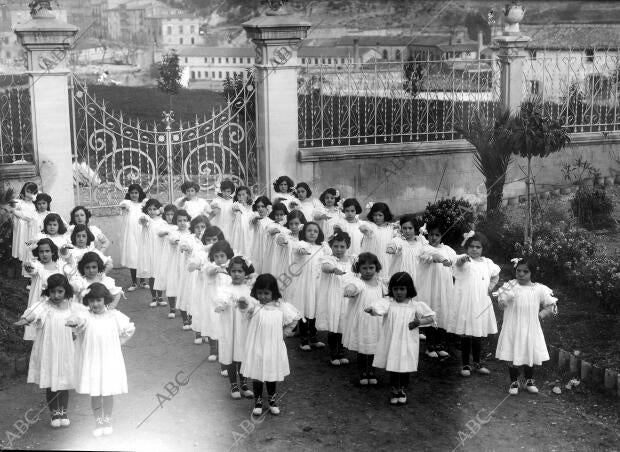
[{"x": 111, "y": 152}]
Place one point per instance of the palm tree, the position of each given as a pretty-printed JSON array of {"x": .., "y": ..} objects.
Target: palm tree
[{"x": 491, "y": 155}]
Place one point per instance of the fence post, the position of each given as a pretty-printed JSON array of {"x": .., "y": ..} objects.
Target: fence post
[
  {"x": 46, "y": 41},
  {"x": 277, "y": 37},
  {"x": 510, "y": 48}
]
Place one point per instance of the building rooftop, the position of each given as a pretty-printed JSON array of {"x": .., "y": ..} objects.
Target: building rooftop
[
  {"x": 203, "y": 51},
  {"x": 565, "y": 36},
  {"x": 373, "y": 41}
]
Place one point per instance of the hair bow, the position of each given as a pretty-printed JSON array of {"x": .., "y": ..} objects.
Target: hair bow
[
  {"x": 423, "y": 230},
  {"x": 337, "y": 193},
  {"x": 85, "y": 292},
  {"x": 515, "y": 261},
  {"x": 467, "y": 236},
  {"x": 369, "y": 205},
  {"x": 247, "y": 261}
]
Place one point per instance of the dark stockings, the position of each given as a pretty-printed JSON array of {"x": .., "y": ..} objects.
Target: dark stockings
[
  {"x": 399, "y": 380},
  {"x": 334, "y": 340},
  {"x": 514, "y": 372},
  {"x": 470, "y": 345},
  {"x": 154, "y": 293},
  {"x": 233, "y": 370},
  {"x": 213, "y": 346},
  {"x": 172, "y": 302},
  {"x": 307, "y": 331},
  {"x": 57, "y": 400},
  {"x": 257, "y": 388},
  {"x": 134, "y": 276},
  {"x": 364, "y": 364}
]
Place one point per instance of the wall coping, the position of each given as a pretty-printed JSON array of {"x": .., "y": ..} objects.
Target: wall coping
[
  {"x": 17, "y": 170},
  {"x": 331, "y": 153}
]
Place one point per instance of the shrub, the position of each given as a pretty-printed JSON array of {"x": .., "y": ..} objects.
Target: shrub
[
  {"x": 456, "y": 216},
  {"x": 599, "y": 278},
  {"x": 593, "y": 207},
  {"x": 502, "y": 234}
]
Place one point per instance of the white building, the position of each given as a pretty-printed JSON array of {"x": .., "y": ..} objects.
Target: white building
[{"x": 181, "y": 30}]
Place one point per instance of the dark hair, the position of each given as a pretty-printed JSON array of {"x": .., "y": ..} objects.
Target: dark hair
[
  {"x": 288, "y": 180},
  {"x": 305, "y": 187},
  {"x": 241, "y": 188},
  {"x": 213, "y": 231},
  {"x": 415, "y": 221},
  {"x": 435, "y": 225},
  {"x": 58, "y": 280},
  {"x": 277, "y": 206},
  {"x": 302, "y": 234},
  {"x": 197, "y": 220},
  {"x": 189, "y": 184},
  {"x": 170, "y": 208},
  {"x": 75, "y": 209},
  {"x": 181, "y": 213},
  {"x": 340, "y": 236},
  {"x": 296, "y": 214},
  {"x": 227, "y": 184},
  {"x": 150, "y": 202},
  {"x": 62, "y": 229},
  {"x": 366, "y": 258},
  {"x": 89, "y": 257},
  {"x": 531, "y": 265},
  {"x": 30, "y": 186},
  {"x": 90, "y": 238},
  {"x": 52, "y": 245},
  {"x": 98, "y": 290},
  {"x": 221, "y": 246},
  {"x": 137, "y": 187},
  {"x": 329, "y": 191},
  {"x": 268, "y": 282},
  {"x": 402, "y": 279},
  {"x": 477, "y": 237},
  {"x": 265, "y": 200},
  {"x": 240, "y": 260},
  {"x": 44, "y": 197},
  {"x": 383, "y": 208},
  {"x": 352, "y": 202}
]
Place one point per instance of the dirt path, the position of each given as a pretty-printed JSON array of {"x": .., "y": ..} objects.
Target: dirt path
[{"x": 321, "y": 407}]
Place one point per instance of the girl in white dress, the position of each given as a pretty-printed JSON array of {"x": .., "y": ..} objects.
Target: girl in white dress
[
  {"x": 90, "y": 269},
  {"x": 351, "y": 224},
  {"x": 43, "y": 203},
  {"x": 265, "y": 358},
  {"x": 362, "y": 331},
  {"x": 150, "y": 249},
  {"x": 329, "y": 213},
  {"x": 191, "y": 203},
  {"x": 222, "y": 214},
  {"x": 24, "y": 222},
  {"x": 472, "y": 316},
  {"x": 305, "y": 272},
  {"x": 234, "y": 325},
  {"x": 284, "y": 189},
  {"x": 272, "y": 259},
  {"x": 436, "y": 287},
  {"x": 260, "y": 223},
  {"x": 163, "y": 258},
  {"x": 406, "y": 247},
  {"x": 378, "y": 233},
  {"x": 286, "y": 242},
  {"x": 241, "y": 234},
  {"x": 131, "y": 232},
  {"x": 81, "y": 215},
  {"x": 100, "y": 367},
  {"x": 304, "y": 201},
  {"x": 174, "y": 265},
  {"x": 53, "y": 354},
  {"x": 83, "y": 241},
  {"x": 399, "y": 340},
  {"x": 331, "y": 309},
  {"x": 53, "y": 228},
  {"x": 45, "y": 263},
  {"x": 521, "y": 341}
]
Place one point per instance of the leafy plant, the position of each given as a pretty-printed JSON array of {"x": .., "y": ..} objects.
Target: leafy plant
[
  {"x": 599, "y": 277},
  {"x": 237, "y": 92},
  {"x": 170, "y": 73},
  {"x": 593, "y": 207},
  {"x": 578, "y": 169},
  {"x": 414, "y": 77},
  {"x": 502, "y": 234},
  {"x": 456, "y": 215}
]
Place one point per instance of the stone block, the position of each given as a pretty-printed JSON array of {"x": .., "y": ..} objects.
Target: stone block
[
  {"x": 611, "y": 379},
  {"x": 586, "y": 371},
  {"x": 575, "y": 365},
  {"x": 564, "y": 360},
  {"x": 598, "y": 376},
  {"x": 553, "y": 354}
]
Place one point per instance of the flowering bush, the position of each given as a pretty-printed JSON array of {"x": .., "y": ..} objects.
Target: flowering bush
[
  {"x": 502, "y": 234},
  {"x": 593, "y": 207},
  {"x": 599, "y": 277},
  {"x": 456, "y": 216}
]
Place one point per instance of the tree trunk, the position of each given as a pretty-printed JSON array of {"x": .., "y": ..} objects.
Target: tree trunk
[{"x": 528, "y": 212}]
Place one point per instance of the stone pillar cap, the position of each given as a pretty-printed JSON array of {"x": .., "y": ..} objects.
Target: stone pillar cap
[
  {"x": 39, "y": 24},
  {"x": 274, "y": 27}
]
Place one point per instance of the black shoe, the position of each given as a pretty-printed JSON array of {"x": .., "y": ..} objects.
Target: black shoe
[
  {"x": 273, "y": 405},
  {"x": 258, "y": 406}
]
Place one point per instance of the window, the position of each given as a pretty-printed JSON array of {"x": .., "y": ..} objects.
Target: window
[
  {"x": 534, "y": 86},
  {"x": 212, "y": 74},
  {"x": 590, "y": 55},
  {"x": 212, "y": 59},
  {"x": 303, "y": 61},
  {"x": 206, "y": 74},
  {"x": 180, "y": 29},
  {"x": 227, "y": 74},
  {"x": 532, "y": 54},
  {"x": 192, "y": 29},
  {"x": 206, "y": 60},
  {"x": 342, "y": 60},
  {"x": 316, "y": 61},
  {"x": 193, "y": 74},
  {"x": 249, "y": 60},
  {"x": 397, "y": 54},
  {"x": 385, "y": 54},
  {"x": 169, "y": 30},
  {"x": 227, "y": 59},
  {"x": 219, "y": 59},
  {"x": 180, "y": 40},
  {"x": 186, "y": 59},
  {"x": 192, "y": 40},
  {"x": 220, "y": 74},
  {"x": 329, "y": 61},
  {"x": 234, "y": 60}
]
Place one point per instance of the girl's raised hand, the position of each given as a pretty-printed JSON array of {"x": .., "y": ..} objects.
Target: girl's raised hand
[
  {"x": 414, "y": 324},
  {"x": 461, "y": 260},
  {"x": 21, "y": 322},
  {"x": 71, "y": 323},
  {"x": 447, "y": 263},
  {"x": 338, "y": 272},
  {"x": 242, "y": 303},
  {"x": 368, "y": 310}
]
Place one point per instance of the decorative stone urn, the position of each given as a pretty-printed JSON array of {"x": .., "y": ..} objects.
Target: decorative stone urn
[{"x": 513, "y": 15}]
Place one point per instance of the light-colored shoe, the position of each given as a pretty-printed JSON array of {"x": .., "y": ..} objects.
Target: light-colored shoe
[
  {"x": 514, "y": 388},
  {"x": 247, "y": 392},
  {"x": 98, "y": 427},
  {"x": 443, "y": 354},
  {"x": 335, "y": 362},
  {"x": 394, "y": 398},
  {"x": 107, "y": 426},
  {"x": 55, "y": 423},
  {"x": 153, "y": 304},
  {"x": 198, "y": 340},
  {"x": 422, "y": 337},
  {"x": 273, "y": 405},
  {"x": 466, "y": 371},
  {"x": 305, "y": 348},
  {"x": 234, "y": 391},
  {"x": 531, "y": 387},
  {"x": 64, "y": 419},
  {"x": 187, "y": 326},
  {"x": 258, "y": 407},
  {"x": 129, "y": 289},
  {"x": 162, "y": 302},
  {"x": 432, "y": 354},
  {"x": 344, "y": 361},
  {"x": 372, "y": 380},
  {"x": 364, "y": 381},
  {"x": 145, "y": 285},
  {"x": 212, "y": 358},
  {"x": 481, "y": 369},
  {"x": 402, "y": 397},
  {"x": 171, "y": 315},
  {"x": 318, "y": 345},
  {"x": 224, "y": 373}
]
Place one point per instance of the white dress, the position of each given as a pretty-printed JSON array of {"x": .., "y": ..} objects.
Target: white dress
[
  {"x": 164, "y": 257},
  {"x": 260, "y": 240},
  {"x": 472, "y": 314},
  {"x": 233, "y": 323},
  {"x": 327, "y": 225},
  {"x": 399, "y": 347},
  {"x": 194, "y": 207},
  {"x": 307, "y": 206},
  {"x": 362, "y": 331},
  {"x": 521, "y": 340},
  {"x": 353, "y": 229},
  {"x": 80, "y": 283},
  {"x": 242, "y": 232},
  {"x": 305, "y": 273},
  {"x": 406, "y": 257},
  {"x": 176, "y": 263},
  {"x": 224, "y": 216},
  {"x": 39, "y": 275},
  {"x": 436, "y": 284},
  {"x": 131, "y": 233},
  {"x": 332, "y": 306},
  {"x": 100, "y": 367},
  {"x": 265, "y": 357},
  {"x": 272, "y": 259},
  {"x": 52, "y": 357},
  {"x": 150, "y": 248},
  {"x": 375, "y": 241},
  {"x": 25, "y": 228},
  {"x": 205, "y": 320},
  {"x": 192, "y": 252}
]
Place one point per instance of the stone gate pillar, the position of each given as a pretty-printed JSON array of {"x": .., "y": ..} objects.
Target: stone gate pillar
[
  {"x": 47, "y": 40},
  {"x": 277, "y": 37}
]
